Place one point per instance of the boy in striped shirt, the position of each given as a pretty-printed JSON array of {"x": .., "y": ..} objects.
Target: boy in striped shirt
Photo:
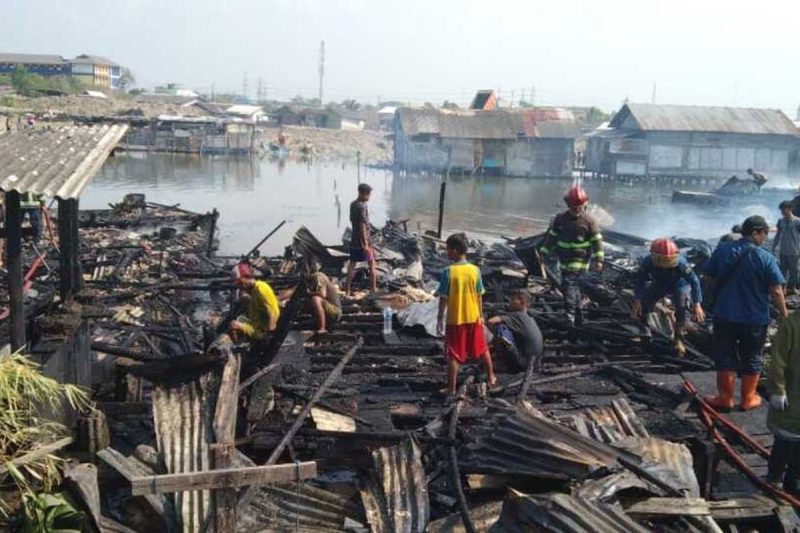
[{"x": 460, "y": 294}]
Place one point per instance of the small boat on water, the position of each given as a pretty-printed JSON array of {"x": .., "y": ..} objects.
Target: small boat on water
[{"x": 724, "y": 197}]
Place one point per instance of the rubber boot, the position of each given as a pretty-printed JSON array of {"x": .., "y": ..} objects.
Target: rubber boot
[
  {"x": 750, "y": 397},
  {"x": 726, "y": 384}
]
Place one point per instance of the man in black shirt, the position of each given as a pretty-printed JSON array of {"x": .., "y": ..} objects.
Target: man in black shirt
[
  {"x": 518, "y": 339},
  {"x": 360, "y": 248}
]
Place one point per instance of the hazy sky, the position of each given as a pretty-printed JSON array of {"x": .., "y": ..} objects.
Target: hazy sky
[{"x": 595, "y": 52}]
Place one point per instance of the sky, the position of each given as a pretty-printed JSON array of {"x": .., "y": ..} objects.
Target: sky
[{"x": 567, "y": 52}]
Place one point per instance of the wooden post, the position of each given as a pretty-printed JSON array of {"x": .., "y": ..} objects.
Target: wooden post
[
  {"x": 70, "y": 267},
  {"x": 224, "y": 499},
  {"x": 442, "y": 191},
  {"x": 14, "y": 250}
]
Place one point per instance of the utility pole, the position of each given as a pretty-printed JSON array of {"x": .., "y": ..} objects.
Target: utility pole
[
  {"x": 512, "y": 99},
  {"x": 244, "y": 86},
  {"x": 213, "y": 95},
  {"x": 533, "y": 96},
  {"x": 321, "y": 69},
  {"x": 653, "y": 98},
  {"x": 259, "y": 91}
]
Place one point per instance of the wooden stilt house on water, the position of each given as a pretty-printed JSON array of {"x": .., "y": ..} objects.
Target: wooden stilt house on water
[{"x": 649, "y": 140}]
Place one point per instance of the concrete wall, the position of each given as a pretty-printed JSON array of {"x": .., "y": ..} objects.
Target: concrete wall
[{"x": 518, "y": 157}]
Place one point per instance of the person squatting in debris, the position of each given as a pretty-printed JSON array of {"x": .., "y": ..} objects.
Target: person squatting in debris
[
  {"x": 787, "y": 244},
  {"x": 744, "y": 276},
  {"x": 666, "y": 273},
  {"x": 517, "y": 338},
  {"x": 783, "y": 418},
  {"x": 460, "y": 295},
  {"x": 323, "y": 298},
  {"x": 360, "y": 248},
  {"x": 576, "y": 238},
  {"x": 263, "y": 309}
]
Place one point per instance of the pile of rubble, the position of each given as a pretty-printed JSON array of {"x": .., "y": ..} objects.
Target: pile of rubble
[{"x": 351, "y": 430}]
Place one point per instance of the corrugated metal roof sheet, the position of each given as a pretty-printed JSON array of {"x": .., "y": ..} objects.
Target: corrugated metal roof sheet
[
  {"x": 654, "y": 117},
  {"x": 497, "y": 124},
  {"x": 183, "y": 415},
  {"x": 668, "y": 461},
  {"x": 610, "y": 423},
  {"x": 58, "y": 162},
  {"x": 37, "y": 59},
  {"x": 287, "y": 506},
  {"x": 562, "y": 513},
  {"x": 396, "y": 494},
  {"x": 525, "y": 444}
]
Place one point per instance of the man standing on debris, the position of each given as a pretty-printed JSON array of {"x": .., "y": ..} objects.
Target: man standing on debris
[
  {"x": 460, "y": 294},
  {"x": 360, "y": 248},
  {"x": 666, "y": 273},
  {"x": 518, "y": 338},
  {"x": 262, "y": 305},
  {"x": 576, "y": 237},
  {"x": 783, "y": 419},
  {"x": 744, "y": 276},
  {"x": 787, "y": 242}
]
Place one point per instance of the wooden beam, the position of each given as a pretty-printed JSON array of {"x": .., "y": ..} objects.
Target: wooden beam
[
  {"x": 227, "y": 401},
  {"x": 70, "y": 276},
  {"x": 14, "y": 265},
  {"x": 225, "y": 478},
  {"x": 224, "y": 499}
]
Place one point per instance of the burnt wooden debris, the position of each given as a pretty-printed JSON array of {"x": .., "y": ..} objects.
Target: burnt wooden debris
[{"x": 351, "y": 430}]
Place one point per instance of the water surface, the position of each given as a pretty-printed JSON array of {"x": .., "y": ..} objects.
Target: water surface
[{"x": 253, "y": 196}]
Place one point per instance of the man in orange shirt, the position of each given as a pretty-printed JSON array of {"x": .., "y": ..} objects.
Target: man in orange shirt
[{"x": 460, "y": 291}]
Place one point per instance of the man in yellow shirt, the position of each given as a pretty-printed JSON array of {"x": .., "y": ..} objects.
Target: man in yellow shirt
[{"x": 262, "y": 305}]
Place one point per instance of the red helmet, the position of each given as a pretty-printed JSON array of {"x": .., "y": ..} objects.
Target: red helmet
[
  {"x": 665, "y": 253},
  {"x": 576, "y": 196}
]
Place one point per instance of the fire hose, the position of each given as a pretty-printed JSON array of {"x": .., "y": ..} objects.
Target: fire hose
[{"x": 708, "y": 414}]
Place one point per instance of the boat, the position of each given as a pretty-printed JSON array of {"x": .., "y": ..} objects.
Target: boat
[{"x": 724, "y": 197}]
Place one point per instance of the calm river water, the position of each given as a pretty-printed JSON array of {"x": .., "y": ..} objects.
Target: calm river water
[{"x": 254, "y": 196}]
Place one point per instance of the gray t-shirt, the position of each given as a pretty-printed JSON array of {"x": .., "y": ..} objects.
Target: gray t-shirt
[
  {"x": 527, "y": 335},
  {"x": 788, "y": 238}
]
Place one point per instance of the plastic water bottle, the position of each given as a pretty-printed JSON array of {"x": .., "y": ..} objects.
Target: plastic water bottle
[{"x": 387, "y": 320}]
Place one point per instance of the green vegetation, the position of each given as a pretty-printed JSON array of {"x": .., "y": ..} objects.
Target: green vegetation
[
  {"x": 28, "y": 84},
  {"x": 25, "y": 396}
]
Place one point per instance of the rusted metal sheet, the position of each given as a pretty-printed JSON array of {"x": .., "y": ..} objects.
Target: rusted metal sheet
[
  {"x": 57, "y": 162},
  {"x": 562, "y": 513},
  {"x": 656, "y": 117},
  {"x": 298, "y": 506},
  {"x": 396, "y": 494},
  {"x": 526, "y": 444},
  {"x": 183, "y": 414},
  {"x": 483, "y": 518},
  {"x": 610, "y": 423},
  {"x": 668, "y": 461}
]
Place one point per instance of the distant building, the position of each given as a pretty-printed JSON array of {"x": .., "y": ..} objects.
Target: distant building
[
  {"x": 525, "y": 142},
  {"x": 92, "y": 71},
  {"x": 671, "y": 140},
  {"x": 338, "y": 118},
  {"x": 386, "y": 117},
  {"x": 485, "y": 100}
]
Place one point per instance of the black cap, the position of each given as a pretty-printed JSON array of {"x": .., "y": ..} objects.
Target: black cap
[
  {"x": 364, "y": 188},
  {"x": 786, "y": 204},
  {"x": 754, "y": 223}
]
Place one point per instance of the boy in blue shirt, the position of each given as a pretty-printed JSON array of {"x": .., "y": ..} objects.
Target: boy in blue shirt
[{"x": 665, "y": 273}]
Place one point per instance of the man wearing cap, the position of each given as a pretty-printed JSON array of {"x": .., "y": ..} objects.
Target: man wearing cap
[
  {"x": 360, "y": 248},
  {"x": 787, "y": 243},
  {"x": 745, "y": 275},
  {"x": 262, "y": 305}
]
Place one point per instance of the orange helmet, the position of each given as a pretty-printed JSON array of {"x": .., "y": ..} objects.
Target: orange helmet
[
  {"x": 576, "y": 196},
  {"x": 665, "y": 253}
]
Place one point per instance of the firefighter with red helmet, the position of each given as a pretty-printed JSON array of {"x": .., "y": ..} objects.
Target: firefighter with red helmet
[
  {"x": 666, "y": 273},
  {"x": 575, "y": 237}
]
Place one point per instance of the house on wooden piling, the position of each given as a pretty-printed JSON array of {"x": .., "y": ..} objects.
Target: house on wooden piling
[
  {"x": 525, "y": 142},
  {"x": 692, "y": 141}
]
